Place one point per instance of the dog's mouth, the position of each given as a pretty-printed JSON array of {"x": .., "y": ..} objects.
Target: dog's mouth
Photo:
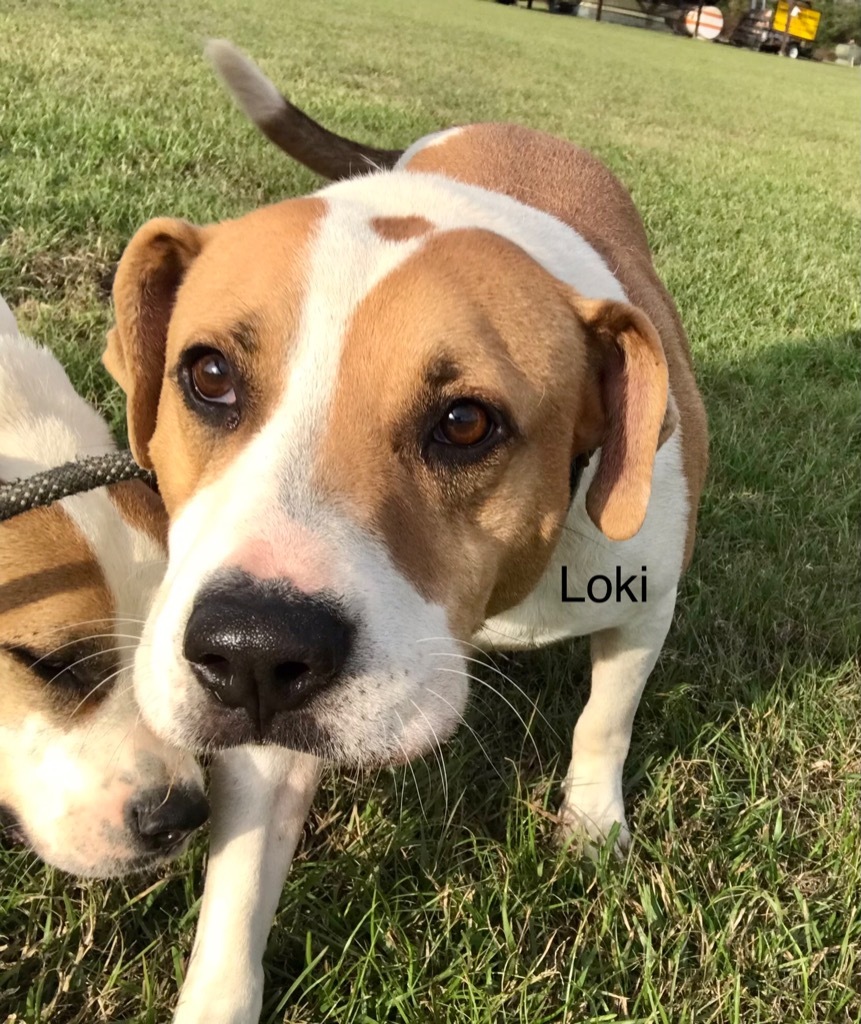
[
  {"x": 220, "y": 728},
  {"x": 146, "y": 863},
  {"x": 14, "y": 837},
  {"x": 12, "y": 832}
]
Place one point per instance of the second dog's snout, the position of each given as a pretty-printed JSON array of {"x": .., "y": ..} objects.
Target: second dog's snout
[
  {"x": 161, "y": 819},
  {"x": 260, "y": 646}
]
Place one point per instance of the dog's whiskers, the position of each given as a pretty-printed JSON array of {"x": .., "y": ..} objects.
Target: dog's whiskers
[
  {"x": 89, "y": 657},
  {"x": 501, "y": 695},
  {"x": 95, "y": 689},
  {"x": 412, "y": 771},
  {"x": 533, "y": 704},
  {"x": 471, "y": 729},
  {"x": 493, "y": 667},
  {"x": 438, "y": 756},
  {"x": 86, "y": 639}
]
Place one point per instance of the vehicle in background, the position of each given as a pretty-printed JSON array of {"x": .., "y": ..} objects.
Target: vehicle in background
[{"x": 765, "y": 29}]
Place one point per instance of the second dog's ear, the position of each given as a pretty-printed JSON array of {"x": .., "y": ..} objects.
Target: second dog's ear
[{"x": 148, "y": 277}]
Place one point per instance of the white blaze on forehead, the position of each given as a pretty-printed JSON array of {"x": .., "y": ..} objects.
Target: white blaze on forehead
[{"x": 348, "y": 258}]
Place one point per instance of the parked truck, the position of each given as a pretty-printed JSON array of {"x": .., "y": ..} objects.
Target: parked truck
[{"x": 765, "y": 29}]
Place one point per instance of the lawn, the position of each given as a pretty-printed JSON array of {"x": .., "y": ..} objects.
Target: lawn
[{"x": 411, "y": 901}]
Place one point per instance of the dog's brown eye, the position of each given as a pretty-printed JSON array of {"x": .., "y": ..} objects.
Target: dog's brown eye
[
  {"x": 466, "y": 424},
  {"x": 212, "y": 379}
]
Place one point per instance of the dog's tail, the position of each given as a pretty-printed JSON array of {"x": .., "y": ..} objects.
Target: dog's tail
[{"x": 302, "y": 138}]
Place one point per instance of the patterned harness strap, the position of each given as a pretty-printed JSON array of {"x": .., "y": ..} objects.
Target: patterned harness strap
[{"x": 71, "y": 478}]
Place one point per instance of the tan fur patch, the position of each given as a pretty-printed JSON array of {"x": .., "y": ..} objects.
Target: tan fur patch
[
  {"x": 52, "y": 592},
  {"x": 400, "y": 229},
  {"x": 141, "y": 508},
  {"x": 575, "y": 187},
  {"x": 247, "y": 309},
  {"x": 475, "y": 539}
]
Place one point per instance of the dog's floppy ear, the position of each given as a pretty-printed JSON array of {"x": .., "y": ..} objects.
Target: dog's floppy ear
[
  {"x": 628, "y": 358},
  {"x": 148, "y": 277}
]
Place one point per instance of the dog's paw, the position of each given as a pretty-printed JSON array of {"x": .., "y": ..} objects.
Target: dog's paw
[
  {"x": 580, "y": 834},
  {"x": 587, "y": 826}
]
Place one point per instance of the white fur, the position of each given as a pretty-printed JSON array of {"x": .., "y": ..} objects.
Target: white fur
[
  {"x": 44, "y": 423},
  {"x": 8, "y": 324},
  {"x": 260, "y": 797},
  {"x": 426, "y": 142},
  {"x": 246, "y": 83},
  {"x": 449, "y": 204},
  {"x": 69, "y": 781}
]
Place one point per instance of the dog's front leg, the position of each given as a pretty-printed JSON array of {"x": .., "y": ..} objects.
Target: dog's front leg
[
  {"x": 260, "y": 798},
  {"x": 622, "y": 659}
]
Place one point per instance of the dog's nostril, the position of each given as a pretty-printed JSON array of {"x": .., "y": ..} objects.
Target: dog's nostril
[
  {"x": 288, "y": 672},
  {"x": 214, "y": 661}
]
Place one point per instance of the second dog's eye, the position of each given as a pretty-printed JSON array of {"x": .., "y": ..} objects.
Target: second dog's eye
[
  {"x": 212, "y": 379},
  {"x": 80, "y": 674}
]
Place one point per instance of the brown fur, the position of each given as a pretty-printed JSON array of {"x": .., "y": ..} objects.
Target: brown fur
[
  {"x": 52, "y": 592},
  {"x": 145, "y": 287},
  {"x": 141, "y": 508},
  {"x": 478, "y": 540},
  {"x": 571, "y": 184},
  {"x": 195, "y": 310},
  {"x": 400, "y": 229}
]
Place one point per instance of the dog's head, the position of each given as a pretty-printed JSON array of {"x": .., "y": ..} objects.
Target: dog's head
[
  {"x": 363, "y": 426},
  {"x": 83, "y": 781}
]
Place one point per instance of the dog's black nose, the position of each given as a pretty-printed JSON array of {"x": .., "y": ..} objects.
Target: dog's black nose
[
  {"x": 162, "y": 818},
  {"x": 261, "y": 646}
]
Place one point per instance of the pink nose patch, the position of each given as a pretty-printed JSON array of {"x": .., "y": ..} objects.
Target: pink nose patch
[{"x": 295, "y": 556}]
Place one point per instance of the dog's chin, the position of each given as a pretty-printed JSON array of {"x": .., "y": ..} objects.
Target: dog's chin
[
  {"x": 139, "y": 864},
  {"x": 215, "y": 728}
]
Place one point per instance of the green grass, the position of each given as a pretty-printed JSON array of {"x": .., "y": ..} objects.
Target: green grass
[{"x": 740, "y": 900}]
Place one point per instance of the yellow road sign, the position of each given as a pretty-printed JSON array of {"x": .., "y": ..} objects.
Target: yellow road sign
[{"x": 803, "y": 21}]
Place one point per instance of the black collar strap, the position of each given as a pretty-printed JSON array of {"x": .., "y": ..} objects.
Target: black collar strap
[{"x": 71, "y": 478}]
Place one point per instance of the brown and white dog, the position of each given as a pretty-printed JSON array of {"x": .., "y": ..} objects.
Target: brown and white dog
[
  {"x": 368, "y": 409},
  {"x": 83, "y": 781}
]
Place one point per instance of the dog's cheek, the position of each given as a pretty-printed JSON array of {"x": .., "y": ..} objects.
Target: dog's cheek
[{"x": 63, "y": 807}]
